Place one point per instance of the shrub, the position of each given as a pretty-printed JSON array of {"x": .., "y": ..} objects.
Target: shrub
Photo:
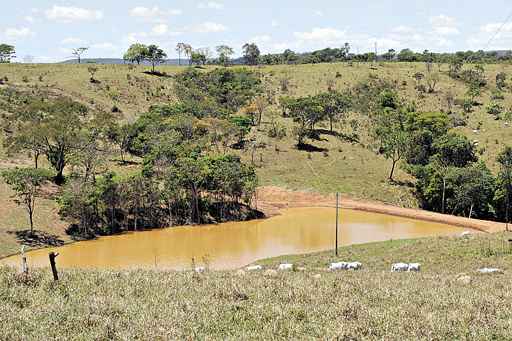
[
  {"x": 458, "y": 120},
  {"x": 496, "y": 95},
  {"x": 494, "y": 109},
  {"x": 467, "y": 105},
  {"x": 277, "y": 130}
]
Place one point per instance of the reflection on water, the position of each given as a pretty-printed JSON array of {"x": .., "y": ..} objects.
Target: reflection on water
[{"x": 233, "y": 245}]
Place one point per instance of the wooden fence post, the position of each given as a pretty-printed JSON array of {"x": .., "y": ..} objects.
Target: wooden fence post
[
  {"x": 52, "y": 256},
  {"x": 24, "y": 266},
  {"x": 337, "y": 199}
]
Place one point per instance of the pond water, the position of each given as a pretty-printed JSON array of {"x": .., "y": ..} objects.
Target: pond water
[{"x": 233, "y": 245}]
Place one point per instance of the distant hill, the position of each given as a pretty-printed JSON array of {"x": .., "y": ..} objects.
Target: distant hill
[{"x": 117, "y": 61}]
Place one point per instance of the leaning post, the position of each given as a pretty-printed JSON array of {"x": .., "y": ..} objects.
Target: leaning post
[{"x": 52, "y": 257}]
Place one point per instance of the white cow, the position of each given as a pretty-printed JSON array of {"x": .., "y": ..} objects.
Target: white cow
[
  {"x": 285, "y": 266},
  {"x": 254, "y": 268},
  {"x": 400, "y": 267},
  {"x": 465, "y": 234},
  {"x": 354, "y": 266},
  {"x": 490, "y": 271},
  {"x": 414, "y": 267},
  {"x": 200, "y": 269},
  {"x": 338, "y": 266}
]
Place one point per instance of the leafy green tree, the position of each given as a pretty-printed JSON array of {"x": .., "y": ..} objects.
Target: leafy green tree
[
  {"x": 26, "y": 134},
  {"x": 451, "y": 151},
  {"x": 27, "y": 183},
  {"x": 335, "y": 105},
  {"x": 407, "y": 55},
  {"x": 390, "y": 55},
  {"x": 192, "y": 174},
  {"x": 136, "y": 53},
  {"x": 306, "y": 112},
  {"x": 393, "y": 138},
  {"x": 61, "y": 128},
  {"x": 198, "y": 57},
  {"x": 225, "y": 52},
  {"x": 455, "y": 150},
  {"x": 243, "y": 124},
  {"x": 473, "y": 191},
  {"x": 505, "y": 175},
  {"x": 251, "y": 53},
  {"x": 7, "y": 52},
  {"x": 217, "y": 93},
  {"x": 155, "y": 55},
  {"x": 121, "y": 135},
  {"x": 56, "y": 125},
  {"x": 80, "y": 202},
  {"x": 289, "y": 57}
]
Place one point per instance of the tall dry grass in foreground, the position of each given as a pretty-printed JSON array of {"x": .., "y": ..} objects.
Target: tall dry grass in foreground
[{"x": 371, "y": 304}]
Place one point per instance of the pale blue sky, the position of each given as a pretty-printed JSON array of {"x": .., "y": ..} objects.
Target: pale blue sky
[{"x": 47, "y": 29}]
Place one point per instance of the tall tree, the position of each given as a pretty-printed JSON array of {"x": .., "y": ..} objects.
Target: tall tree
[
  {"x": 155, "y": 55},
  {"x": 505, "y": 161},
  {"x": 78, "y": 52},
  {"x": 188, "y": 52},
  {"x": 393, "y": 138},
  {"x": 136, "y": 53},
  {"x": 251, "y": 53},
  {"x": 7, "y": 52},
  {"x": 26, "y": 183},
  {"x": 225, "y": 52},
  {"x": 180, "y": 48}
]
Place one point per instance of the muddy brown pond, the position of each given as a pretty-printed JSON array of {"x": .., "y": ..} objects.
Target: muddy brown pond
[{"x": 233, "y": 245}]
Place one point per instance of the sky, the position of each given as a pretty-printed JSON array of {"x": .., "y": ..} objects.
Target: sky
[{"x": 47, "y": 30}]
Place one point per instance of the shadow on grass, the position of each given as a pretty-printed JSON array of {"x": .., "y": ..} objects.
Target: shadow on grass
[
  {"x": 341, "y": 136},
  {"x": 157, "y": 73},
  {"x": 400, "y": 183},
  {"x": 126, "y": 162},
  {"x": 310, "y": 148},
  {"x": 37, "y": 238}
]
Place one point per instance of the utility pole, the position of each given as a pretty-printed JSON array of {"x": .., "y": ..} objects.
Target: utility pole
[{"x": 337, "y": 216}]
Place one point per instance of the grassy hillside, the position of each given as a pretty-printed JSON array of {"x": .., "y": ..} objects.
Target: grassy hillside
[
  {"x": 447, "y": 300},
  {"x": 351, "y": 168}
]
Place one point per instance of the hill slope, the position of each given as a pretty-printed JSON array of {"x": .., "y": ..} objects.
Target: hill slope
[{"x": 337, "y": 165}]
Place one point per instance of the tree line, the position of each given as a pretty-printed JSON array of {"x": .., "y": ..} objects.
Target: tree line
[{"x": 188, "y": 173}]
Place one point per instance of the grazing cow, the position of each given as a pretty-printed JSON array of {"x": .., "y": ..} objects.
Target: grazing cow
[
  {"x": 338, "y": 266},
  {"x": 490, "y": 271},
  {"x": 254, "y": 268},
  {"x": 354, "y": 266},
  {"x": 284, "y": 267},
  {"x": 414, "y": 267},
  {"x": 400, "y": 267},
  {"x": 465, "y": 234}
]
